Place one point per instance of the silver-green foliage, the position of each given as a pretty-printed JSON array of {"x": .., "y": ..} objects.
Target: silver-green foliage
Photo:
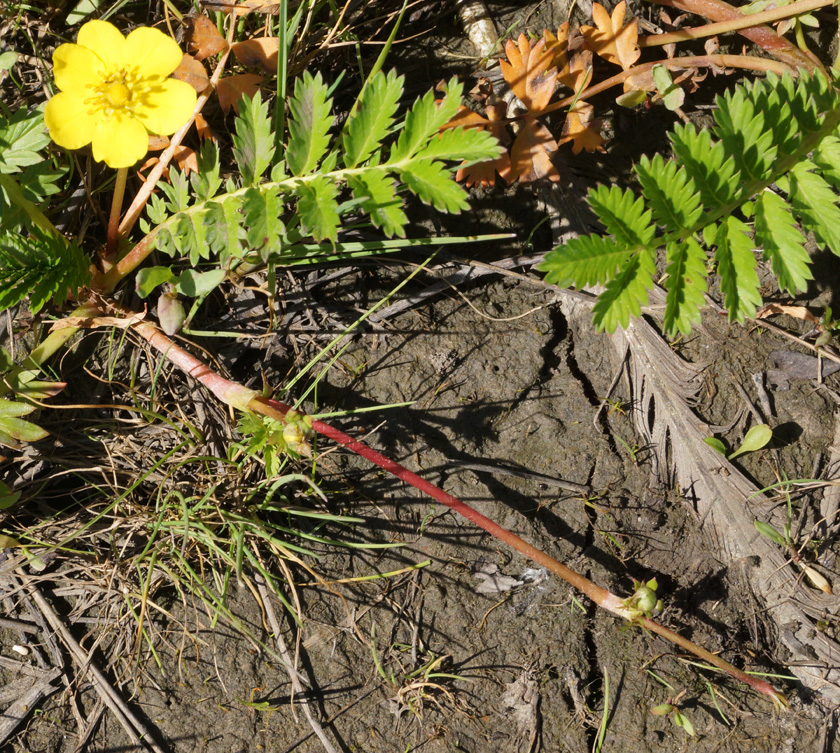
[
  {"x": 322, "y": 176},
  {"x": 763, "y": 177}
]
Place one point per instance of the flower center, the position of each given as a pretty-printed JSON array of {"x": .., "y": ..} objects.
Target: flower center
[{"x": 117, "y": 94}]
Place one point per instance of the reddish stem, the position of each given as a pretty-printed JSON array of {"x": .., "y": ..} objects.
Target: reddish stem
[
  {"x": 764, "y": 36},
  {"x": 243, "y": 398}
]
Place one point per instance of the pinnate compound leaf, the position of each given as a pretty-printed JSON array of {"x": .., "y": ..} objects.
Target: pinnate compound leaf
[
  {"x": 309, "y": 124},
  {"x": 736, "y": 266},
  {"x": 318, "y": 208},
  {"x": 673, "y": 199},
  {"x": 586, "y": 260},
  {"x": 625, "y": 293},
  {"x": 816, "y": 204},
  {"x": 253, "y": 142},
  {"x": 376, "y": 192},
  {"x": 745, "y": 136},
  {"x": 432, "y": 183},
  {"x": 424, "y": 119},
  {"x": 711, "y": 168},
  {"x": 610, "y": 38},
  {"x": 784, "y": 246},
  {"x": 623, "y": 214},
  {"x": 827, "y": 157},
  {"x": 467, "y": 144},
  {"x": 44, "y": 267},
  {"x": 686, "y": 285},
  {"x": 527, "y": 72},
  {"x": 371, "y": 121}
]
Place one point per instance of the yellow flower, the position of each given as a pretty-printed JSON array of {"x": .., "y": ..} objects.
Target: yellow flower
[{"x": 114, "y": 92}]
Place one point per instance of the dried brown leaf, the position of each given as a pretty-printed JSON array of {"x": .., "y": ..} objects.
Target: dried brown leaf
[
  {"x": 484, "y": 173},
  {"x": 529, "y": 156},
  {"x": 231, "y": 88},
  {"x": 610, "y": 38},
  {"x": 583, "y": 129},
  {"x": 260, "y": 52},
  {"x": 192, "y": 72},
  {"x": 203, "y": 38},
  {"x": 527, "y": 72},
  {"x": 579, "y": 72}
]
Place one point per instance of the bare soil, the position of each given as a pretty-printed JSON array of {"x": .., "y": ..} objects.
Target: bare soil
[{"x": 520, "y": 411}]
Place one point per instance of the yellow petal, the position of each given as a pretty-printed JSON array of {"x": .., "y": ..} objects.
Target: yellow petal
[
  {"x": 76, "y": 69},
  {"x": 105, "y": 41},
  {"x": 154, "y": 54},
  {"x": 165, "y": 107},
  {"x": 119, "y": 141},
  {"x": 70, "y": 121}
]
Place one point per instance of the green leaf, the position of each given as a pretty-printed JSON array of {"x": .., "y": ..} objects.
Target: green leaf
[
  {"x": 433, "y": 184},
  {"x": 207, "y": 181},
  {"x": 469, "y": 144},
  {"x": 425, "y": 119},
  {"x": 22, "y": 136},
  {"x": 7, "y": 496},
  {"x": 318, "y": 208},
  {"x": 14, "y": 430},
  {"x": 583, "y": 261},
  {"x": 686, "y": 285},
  {"x": 625, "y": 294},
  {"x": 371, "y": 121},
  {"x": 623, "y": 214},
  {"x": 672, "y": 95},
  {"x": 263, "y": 209},
  {"x": 309, "y": 124},
  {"x": 757, "y": 437},
  {"x": 149, "y": 278},
  {"x": 198, "y": 284},
  {"x": 745, "y": 135},
  {"x": 253, "y": 142},
  {"x": 716, "y": 444},
  {"x": 766, "y": 530},
  {"x": 225, "y": 233},
  {"x": 376, "y": 193},
  {"x": 815, "y": 203},
  {"x": 712, "y": 170},
  {"x": 673, "y": 198},
  {"x": 737, "y": 269},
  {"x": 7, "y": 60},
  {"x": 42, "y": 266},
  {"x": 827, "y": 157},
  {"x": 777, "y": 232}
]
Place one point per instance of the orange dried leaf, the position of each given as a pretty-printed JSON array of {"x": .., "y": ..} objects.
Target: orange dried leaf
[
  {"x": 231, "y": 88},
  {"x": 528, "y": 73},
  {"x": 579, "y": 73},
  {"x": 558, "y": 47},
  {"x": 484, "y": 173},
  {"x": 203, "y": 128},
  {"x": 193, "y": 72},
  {"x": 186, "y": 159},
  {"x": 158, "y": 143},
  {"x": 258, "y": 53},
  {"x": 582, "y": 129},
  {"x": 203, "y": 38},
  {"x": 529, "y": 155},
  {"x": 610, "y": 38}
]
